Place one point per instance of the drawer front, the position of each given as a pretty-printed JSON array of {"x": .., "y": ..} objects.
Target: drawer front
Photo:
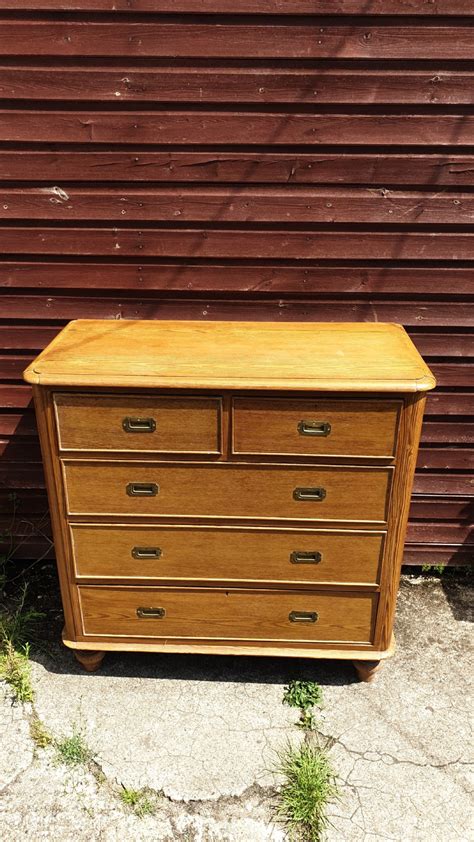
[
  {"x": 297, "y": 492},
  {"x": 219, "y": 553},
  {"x": 227, "y": 615},
  {"x": 315, "y": 427},
  {"x": 141, "y": 424}
]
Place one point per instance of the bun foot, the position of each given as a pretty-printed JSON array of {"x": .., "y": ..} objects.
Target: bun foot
[
  {"x": 366, "y": 669},
  {"x": 90, "y": 661}
]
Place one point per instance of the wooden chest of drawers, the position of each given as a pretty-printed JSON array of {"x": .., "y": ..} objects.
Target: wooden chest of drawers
[{"x": 230, "y": 487}]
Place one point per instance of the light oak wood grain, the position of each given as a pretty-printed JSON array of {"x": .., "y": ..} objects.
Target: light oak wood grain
[
  {"x": 105, "y": 552},
  {"x": 96, "y": 423},
  {"x": 227, "y": 614},
  {"x": 228, "y": 490},
  {"x": 262, "y": 355},
  {"x": 356, "y": 428},
  {"x": 343, "y": 651}
]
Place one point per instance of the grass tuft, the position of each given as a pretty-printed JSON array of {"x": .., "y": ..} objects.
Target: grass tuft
[
  {"x": 142, "y": 802},
  {"x": 16, "y": 671},
  {"x": 73, "y": 750},
  {"x": 309, "y": 784}
]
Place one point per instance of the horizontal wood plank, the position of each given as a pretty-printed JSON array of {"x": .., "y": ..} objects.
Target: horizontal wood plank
[
  {"x": 448, "y": 484},
  {"x": 448, "y": 432},
  {"x": 444, "y": 344},
  {"x": 433, "y": 554},
  {"x": 205, "y": 243},
  {"x": 273, "y": 7},
  {"x": 443, "y": 508},
  {"x": 312, "y": 40},
  {"x": 446, "y": 458},
  {"x": 257, "y": 204},
  {"x": 73, "y": 307},
  {"x": 225, "y": 278},
  {"x": 250, "y": 128},
  {"x": 226, "y": 85},
  {"x": 431, "y": 170}
]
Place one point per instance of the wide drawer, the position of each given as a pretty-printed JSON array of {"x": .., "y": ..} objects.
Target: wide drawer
[
  {"x": 315, "y": 427},
  {"x": 227, "y": 614},
  {"x": 138, "y": 423},
  {"x": 224, "y": 490},
  {"x": 231, "y": 554}
]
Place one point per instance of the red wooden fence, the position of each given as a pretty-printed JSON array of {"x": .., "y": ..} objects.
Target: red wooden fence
[{"x": 258, "y": 159}]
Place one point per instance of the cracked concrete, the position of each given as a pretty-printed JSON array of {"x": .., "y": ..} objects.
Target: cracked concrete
[{"x": 204, "y": 732}]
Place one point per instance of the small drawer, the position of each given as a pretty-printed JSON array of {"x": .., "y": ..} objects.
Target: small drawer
[
  {"x": 228, "y": 614},
  {"x": 137, "y": 423},
  {"x": 315, "y": 427},
  {"x": 296, "y": 492},
  {"x": 208, "y": 553}
]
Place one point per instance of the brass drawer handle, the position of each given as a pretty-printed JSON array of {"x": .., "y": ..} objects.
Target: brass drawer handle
[
  {"x": 139, "y": 425},
  {"x": 153, "y": 613},
  {"x": 314, "y": 428},
  {"x": 302, "y": 616},
  {"x": 146, "y": 552},
  {"x": 305, "y": 558},
  {"x": 309, "y": 493},
  {"x": 142, "y": 489}
]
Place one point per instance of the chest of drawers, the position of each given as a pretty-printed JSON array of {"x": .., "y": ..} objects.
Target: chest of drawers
[{"x": 230, "y": 487}]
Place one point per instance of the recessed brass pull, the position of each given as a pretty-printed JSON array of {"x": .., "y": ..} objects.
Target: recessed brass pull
[
  {"x": 314, "y": 428},
  {"x": 142, "y": 489},
  {"x": 305, "y": 558},
  {"x": 139, "y": 425},
  {"x": 146, "y": 552},
  {"x": 309, "y": 493},
  {"x": 151, "y": 613},
  {"x": 302, "y": 616}
]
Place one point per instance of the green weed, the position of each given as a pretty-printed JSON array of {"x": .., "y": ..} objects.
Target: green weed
[
  {"x": 309, "y": 784},
  {"x": 15, "y": 669},
  {"x": 141, "y": 801},
  {"x": 304, "y": 695},
  {"x": 39, "y": 733},
  {"x": 73, "y": 750}
]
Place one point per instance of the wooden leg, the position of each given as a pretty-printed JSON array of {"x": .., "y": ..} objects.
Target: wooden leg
[
  {"x": 90, "y": 661},
  {"x": 367, "y": 669}
]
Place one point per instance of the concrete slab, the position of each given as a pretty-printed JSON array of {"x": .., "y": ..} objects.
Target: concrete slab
[{"x": 204, "y": 732}]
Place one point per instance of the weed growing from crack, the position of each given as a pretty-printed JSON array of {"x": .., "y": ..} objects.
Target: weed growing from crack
[
  {"x": 309, "y": 784},
  {"x": 16, "y": 671},
  {"x": 142, "y": 802},
  {"x": 304, "y": 695},
  {"x": 39, "y": 733},
  {"x": 73, "y": 750},
  {"x": 17, "y": 626}
]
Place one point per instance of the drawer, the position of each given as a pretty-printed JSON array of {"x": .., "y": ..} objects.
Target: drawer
[
  {"x": 227, "y": 615},
  {"x": 315, "y": 427},
  {"x": 230, "y": 554},
  {"x": 224, "y": 490},
  {"x": 141, "y": 424}
]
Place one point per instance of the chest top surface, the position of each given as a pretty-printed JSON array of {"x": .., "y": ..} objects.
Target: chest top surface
[{"x": 304, "y": 356}]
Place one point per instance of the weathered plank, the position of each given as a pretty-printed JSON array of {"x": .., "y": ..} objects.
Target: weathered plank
[
  {"x": 448, "y": 432},
  {"x": 443, "y": 508},
  {"x": 274, "y": 7},
  {"x": 457, "y": 344},
  {"x": 318, "y": 39},
  {"x": 243, "y": 84},
  {"x": 390, "y": 168},
  {"x": 433, "y": 554},
  {"x": 231, "y": 127},
  {"x": 332, "y": 310},
  {"x": 450, "y": 484},
  {"x": 223, "y": 243},
  {"x": 446, "y": 458},
  {"x": 450, "y": 403},
  {"x": 252, "y": 204},
  {"x": 244, "y": 278}
]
